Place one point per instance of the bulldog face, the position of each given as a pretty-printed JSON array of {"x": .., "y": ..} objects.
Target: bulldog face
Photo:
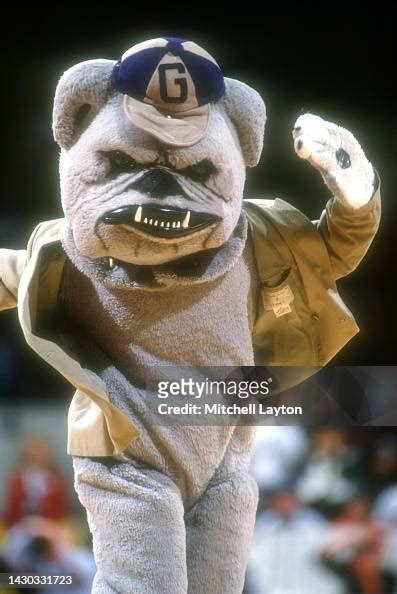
[{"x": 128, "y": 197}]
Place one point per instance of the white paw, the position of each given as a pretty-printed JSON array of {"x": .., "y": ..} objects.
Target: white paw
[
  {"x": 310, "y": 135},
  {"x": 337, "y": 155}
]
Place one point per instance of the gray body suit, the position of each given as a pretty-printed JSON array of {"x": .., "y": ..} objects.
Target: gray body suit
[{"x": 175, "y": 486}]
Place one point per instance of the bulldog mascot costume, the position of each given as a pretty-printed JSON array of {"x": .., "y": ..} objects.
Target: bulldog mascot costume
[{"x": 159, "y": 261}]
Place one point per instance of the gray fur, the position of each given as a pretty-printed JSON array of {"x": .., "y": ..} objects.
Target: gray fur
[
  {"x": 136, "y": 518},
  {"x": 216, "y": 560},
  {"x": 87, "y": 83},
  {"x": 131, "y": 332},
  {"x": 88, "y": 192},
  {"x": 146, "y": 541},
  {"x": 161, "y": 513},
  {"x": 247, "y": 110}
]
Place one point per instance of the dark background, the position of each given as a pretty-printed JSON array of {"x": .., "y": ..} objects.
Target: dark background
[{"x": 343, "y": 73}]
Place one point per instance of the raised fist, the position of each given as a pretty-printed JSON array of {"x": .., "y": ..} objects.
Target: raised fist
[{"x": 338, "y": 156}]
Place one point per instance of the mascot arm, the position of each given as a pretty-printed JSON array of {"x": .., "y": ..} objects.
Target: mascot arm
[
  {"x": 351, "y": 218},
  {"x": 348, "y": 234},
  {"x": 12, "y": 263}
]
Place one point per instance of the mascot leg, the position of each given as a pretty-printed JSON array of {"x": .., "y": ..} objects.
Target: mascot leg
[
  {"x": 219, "y": 529},
  {"x": 136, "y": 517}
]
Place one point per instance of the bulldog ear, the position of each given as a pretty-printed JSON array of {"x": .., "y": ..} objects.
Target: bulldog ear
[
  {"x": 80, "y": 94},
  {"x": 246, "y": 109}
]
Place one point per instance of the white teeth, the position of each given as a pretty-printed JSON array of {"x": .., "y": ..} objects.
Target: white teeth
[
  {"x": 185, "y": 222},
  {"x": 111, "y": 263},
  {"x": 157, "y": 223}
]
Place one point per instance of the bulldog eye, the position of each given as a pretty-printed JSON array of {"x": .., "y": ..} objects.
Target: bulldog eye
[
  {"x": 120, "y": 162},
  {"x": 199, "y": 172}
]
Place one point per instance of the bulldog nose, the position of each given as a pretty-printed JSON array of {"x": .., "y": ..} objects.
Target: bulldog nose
[{"x": 158, "y": 183}]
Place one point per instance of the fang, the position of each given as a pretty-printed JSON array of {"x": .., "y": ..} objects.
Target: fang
[{"x": 185, "y": 223}]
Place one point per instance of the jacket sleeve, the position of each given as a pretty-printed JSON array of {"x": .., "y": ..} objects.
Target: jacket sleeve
[
  {"x": 348, "y": 232},
  {"x": 12, "y": 263}
]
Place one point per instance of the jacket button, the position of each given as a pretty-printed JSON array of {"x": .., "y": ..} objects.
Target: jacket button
[{"x": 315, "y": 317}]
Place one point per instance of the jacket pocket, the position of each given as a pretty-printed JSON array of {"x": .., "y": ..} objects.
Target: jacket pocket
[{"x": 283, "y": 332}]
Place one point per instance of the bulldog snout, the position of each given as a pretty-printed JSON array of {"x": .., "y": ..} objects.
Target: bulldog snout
[{"x": 158, "y": 183}]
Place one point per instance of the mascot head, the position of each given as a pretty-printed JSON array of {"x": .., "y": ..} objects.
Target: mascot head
[{"x": 154, "y": 150}]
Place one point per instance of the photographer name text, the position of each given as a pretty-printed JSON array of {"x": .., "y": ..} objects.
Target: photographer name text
[{"x": 253, "y": 408}]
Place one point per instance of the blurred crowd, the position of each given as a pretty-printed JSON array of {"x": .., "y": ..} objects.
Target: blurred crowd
[
  {"x": 327, "y": 518},
  {"x": 326, "y": 524},
  {"x": 42, "y": 530}
]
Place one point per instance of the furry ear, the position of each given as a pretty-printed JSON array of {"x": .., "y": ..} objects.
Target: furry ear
[
  {"x": 246, "y": 109},
  {"x": 81, "y": 92}
]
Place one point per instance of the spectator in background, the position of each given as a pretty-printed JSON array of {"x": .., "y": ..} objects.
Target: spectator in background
[
  {"x": 285, "y": 556},
  {"x": 278, "y": 455},
  {"x": 38, "y": 546},
  {"x": 382, "y": 472},
  {"x": 328, "y": 479},
  {"x": 355, "y": 548},
  {"x": 36, "y": 487}
]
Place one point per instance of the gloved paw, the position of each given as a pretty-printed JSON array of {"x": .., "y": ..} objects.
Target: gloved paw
[{"x": 338, "y": 156}]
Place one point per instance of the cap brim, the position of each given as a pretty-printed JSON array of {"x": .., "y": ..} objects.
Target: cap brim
[{"x": 178, "y": 129}]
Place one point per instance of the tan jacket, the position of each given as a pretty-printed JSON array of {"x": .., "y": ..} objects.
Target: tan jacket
[{"x": 298, "y": 264}]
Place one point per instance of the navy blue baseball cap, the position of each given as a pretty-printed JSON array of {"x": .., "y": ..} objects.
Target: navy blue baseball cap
[{"x": 168, "y": 86}]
